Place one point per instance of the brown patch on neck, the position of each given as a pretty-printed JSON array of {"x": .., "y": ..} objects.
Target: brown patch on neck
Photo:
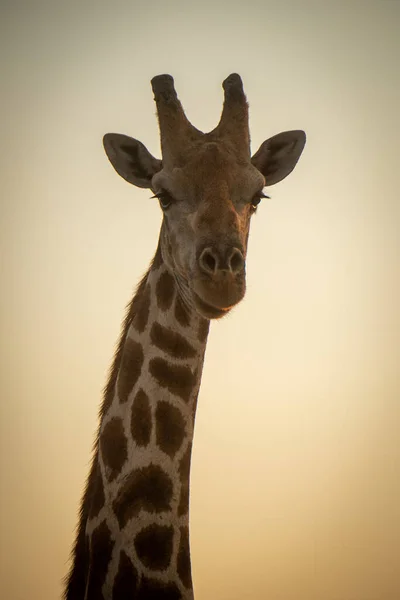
[
  {"x": 152, "y": 589},
  {"x": 149, "y": 489},
  {"x": 142, "y": 315},
  {"x": 127, "y": 578},
  {"x": 171, "y": 342},
  {"x": 170, "y": 428},
  {"x": 184, "y": 473},
  {"x": 113, "y": 446},
  {"x": 177, "y": 379},
  {"x": 131, "y": 367},
  {"x": 182, "y": 314},
  {"x": 97, "y": 497},
  {"x": 183, "y": 561},
  {"x": 101, "y": 551},
  {"x": 204, "y": 327},
  {"x": 141, "y": 423},
  {"x": 153, "y": 545},
  {"x": 165, "y": 290}
]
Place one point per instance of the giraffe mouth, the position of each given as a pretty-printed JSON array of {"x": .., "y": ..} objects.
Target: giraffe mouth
[
  {"x": 208, "y": 310},
  {"x": 215, "y": 297}
]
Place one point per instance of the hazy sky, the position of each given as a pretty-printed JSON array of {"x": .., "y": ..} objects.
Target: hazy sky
[{"x": 295, "y": 472}]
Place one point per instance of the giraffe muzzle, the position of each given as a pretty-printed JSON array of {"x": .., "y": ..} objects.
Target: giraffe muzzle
[{"x": 220, "y": 281}]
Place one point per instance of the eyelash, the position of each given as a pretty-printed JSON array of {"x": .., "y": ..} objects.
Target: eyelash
[
  {"x": 256, "y": 200},
  {"x": 164, "y": 198}
]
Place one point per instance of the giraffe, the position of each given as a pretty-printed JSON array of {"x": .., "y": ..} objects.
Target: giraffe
[{"x": 133, "y": 534}]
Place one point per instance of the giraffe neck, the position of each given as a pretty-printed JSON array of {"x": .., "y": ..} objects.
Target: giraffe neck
[{"x": 138, "y": 520}]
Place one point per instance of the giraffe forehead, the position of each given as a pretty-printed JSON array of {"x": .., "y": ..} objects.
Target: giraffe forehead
[
  {"x": 196, "y": 185},
  {"x": 214, "y": 167},
  {"x": 210, "y": 169}
]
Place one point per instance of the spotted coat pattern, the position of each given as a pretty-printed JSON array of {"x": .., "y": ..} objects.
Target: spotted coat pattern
[{"x": 136, "y": 530}]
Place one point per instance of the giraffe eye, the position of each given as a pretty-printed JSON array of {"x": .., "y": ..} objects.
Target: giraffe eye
[
  {"x": 257, "y": 199},
  {"x": 164, "y": 198}
]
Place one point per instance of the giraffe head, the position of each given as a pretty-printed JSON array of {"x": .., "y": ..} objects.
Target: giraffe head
[{"x": 208, "y": 186}]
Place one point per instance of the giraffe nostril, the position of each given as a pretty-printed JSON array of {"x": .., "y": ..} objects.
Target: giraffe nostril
[
  {"x": 236, "y": 261},
  {"x": 208, "y": 261}
]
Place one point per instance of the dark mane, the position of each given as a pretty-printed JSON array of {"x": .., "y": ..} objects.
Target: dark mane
[{"x": 76, "y": 579}]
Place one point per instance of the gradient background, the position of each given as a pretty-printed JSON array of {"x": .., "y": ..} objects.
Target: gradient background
[{"x": 295, "y": 473}]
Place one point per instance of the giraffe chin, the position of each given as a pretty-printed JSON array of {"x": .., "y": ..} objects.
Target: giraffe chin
[{"x": 208, "y": 310}]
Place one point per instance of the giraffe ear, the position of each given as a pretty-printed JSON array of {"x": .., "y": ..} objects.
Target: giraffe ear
[
  {"x": 131, "y": 159},
  {"x": 277, "y": 156}
]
